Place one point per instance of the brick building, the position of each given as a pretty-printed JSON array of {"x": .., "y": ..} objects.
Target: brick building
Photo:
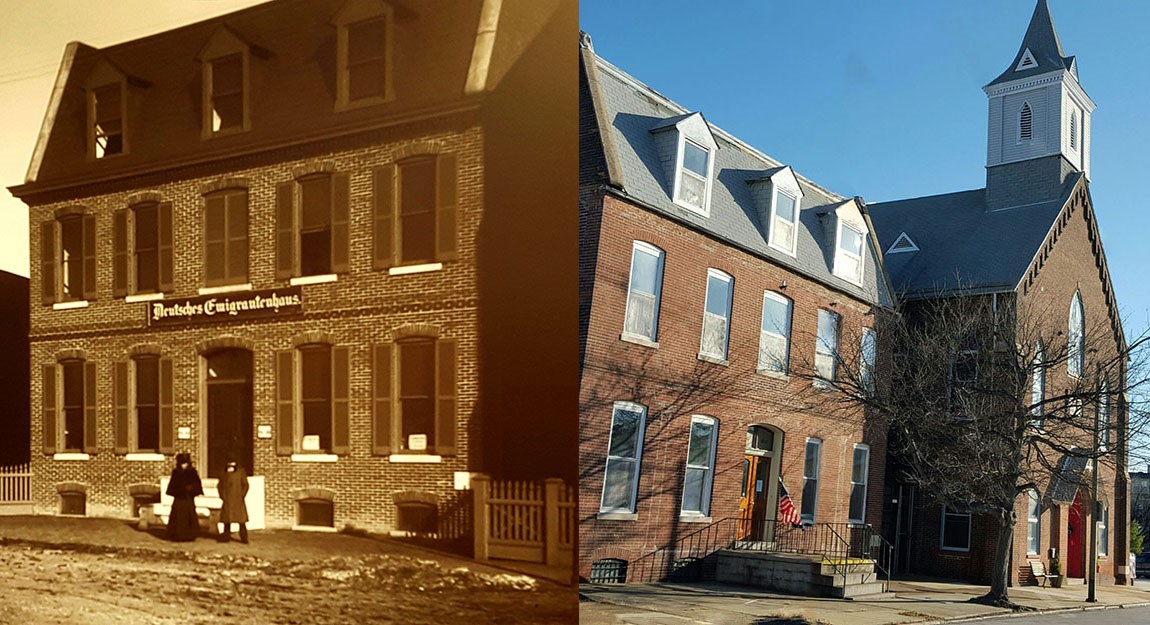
[
  {"x": 271, "y": 236},
  {"x": 1029, "y": 240},
  {"x": 715, "y": 284}
]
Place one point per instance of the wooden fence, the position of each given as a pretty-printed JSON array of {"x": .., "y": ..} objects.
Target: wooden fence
[
  {"x": 524, "y": 520},
  {"x": 16, "y": 489}
]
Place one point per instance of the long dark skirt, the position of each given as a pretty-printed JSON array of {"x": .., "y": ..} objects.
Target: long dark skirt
[{"x": 182, "y": 522}]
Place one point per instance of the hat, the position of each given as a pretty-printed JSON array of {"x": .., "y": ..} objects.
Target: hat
[{"x": 183, "y": 457}]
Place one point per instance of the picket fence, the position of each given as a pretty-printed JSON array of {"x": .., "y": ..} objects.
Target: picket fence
[
  {"x": 16, "y": 489},
  {"x": 524, "y": 520}
]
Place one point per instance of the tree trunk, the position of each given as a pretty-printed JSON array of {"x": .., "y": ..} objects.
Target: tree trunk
[{"x": 1000, "y": 574}]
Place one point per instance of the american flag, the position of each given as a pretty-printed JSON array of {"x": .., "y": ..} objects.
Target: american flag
[{"x": 787, "y": 512}]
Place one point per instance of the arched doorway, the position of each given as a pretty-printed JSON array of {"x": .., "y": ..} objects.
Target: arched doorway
[
  {"x": 759, "y": 497},
  {"x": 228, "y": 401}
]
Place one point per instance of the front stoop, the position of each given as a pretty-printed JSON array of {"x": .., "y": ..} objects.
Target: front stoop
[{"x": 799, "y": 574}]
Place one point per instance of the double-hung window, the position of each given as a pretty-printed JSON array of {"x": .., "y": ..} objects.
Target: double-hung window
[
  {"x": 716, "y": 315},
  {"x": 1075, "y": 347},
  {"x": 312, "y": 216},
  {"x": 68, "y": 257},
  {"x": 1104, "y": 532},
  {"x": 414, "y": 397},
  {"x": 142, "y": 397},
  {"x": 415, "y": 213},
  {"x": 225, "y": 94},
  {"x": 955, "y": 530},
  {"x": 1038, "y": 388},
  {"x": 69, "y": 402},
  {"x": 700, "y": 466},
  {"x": 694, "y": 176},
  {"x": 784, "y": 216},
  {"x": 827, "y": 345},
  {"x": 642, "y": 317},
  {"x": 860, "y": 469},
  {"x": 868, "y": 352},
  {"x": 312, "y": 399},
  {"x": 849, "y": 253},
  {"x": 363, "y": 53},
  {"x": 1033, "y": 522},
  {"x": 775, "y": 336},
  {"x": 811, "y": 480},
  {"x": 106, "y": 114},
  {"x": 624, "y": 451},
  {"x": 226, "y": 238},
  {"x": 142, "y": 249}
]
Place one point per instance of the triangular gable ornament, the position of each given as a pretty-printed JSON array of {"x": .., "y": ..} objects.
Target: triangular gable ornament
[{"x": 1026, "y": 62}]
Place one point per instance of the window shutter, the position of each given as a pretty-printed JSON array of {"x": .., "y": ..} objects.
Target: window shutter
[
  {"x": 340, "y": 210},
  {"x": 48, "y": 266},
  {"x": 447, "y": 201},
  {"x": 285, "y": 230},
  {"x": 215, "y": 240},
  {"x": 167, "y": 418},
  {"x": 89, "y": 257},
  {"x": 285, "y": 402},
  {"x": 383, "y": 215},
  {"x": 120, "y": 401},
  {"x": 237, "y": 218},
  {"x": 341, "y": 357},
  {"x": 381, "y": 399},
  {"x": 48, "y": 372},
  {"x": 90, "y": 446},
  {"x": 445, "y": 397},
  {"x": 120, "y": 253},
  {"x": 166, "y": 255}
]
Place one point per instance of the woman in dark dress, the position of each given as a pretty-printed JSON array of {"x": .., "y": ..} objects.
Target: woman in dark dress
[{"x": 183, "y": 487}]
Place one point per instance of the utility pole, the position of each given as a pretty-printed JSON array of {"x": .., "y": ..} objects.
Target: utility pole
[{"x": 1092, "y": 561}]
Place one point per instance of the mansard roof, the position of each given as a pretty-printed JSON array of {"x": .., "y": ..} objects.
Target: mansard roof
[
  {"x": 630, "y": 110},
  {"x": 1045, "y": 48}
]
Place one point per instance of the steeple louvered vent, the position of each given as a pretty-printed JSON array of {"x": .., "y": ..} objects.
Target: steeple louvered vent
[
  {"x": 902, "y": 244},
  {"x": 1026, "y": 62},
  {"x": 1025, "y": 123}
]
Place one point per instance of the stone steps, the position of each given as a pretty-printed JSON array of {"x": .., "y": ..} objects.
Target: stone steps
[{"x": 799, "y": 574}]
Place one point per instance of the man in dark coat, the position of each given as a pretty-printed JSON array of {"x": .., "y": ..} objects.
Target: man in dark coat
[
  {"x": 233, "y": 488},
  {"x": 183, "y": 487}
]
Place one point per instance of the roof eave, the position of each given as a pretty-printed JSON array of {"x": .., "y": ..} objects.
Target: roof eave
[{"x": 62, "y": 75}]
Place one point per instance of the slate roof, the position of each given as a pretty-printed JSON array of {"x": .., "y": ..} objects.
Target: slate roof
[
  {"x": 631, "y": 110},
  {"x": 962, "y": 245},
  {"x": 1042, "y": 40}
]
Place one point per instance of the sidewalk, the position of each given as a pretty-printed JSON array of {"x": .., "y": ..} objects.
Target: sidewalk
[{"x": 911, "y": 602}]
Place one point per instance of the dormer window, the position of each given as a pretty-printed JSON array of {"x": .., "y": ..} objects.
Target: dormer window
[
  {"x": 848, "y": 253},
  {"x": 226, "y": 95},
  {"x": 784, "y": 214},
  {"x": 1025, "y": 123},
  {"x": 106, "y": 111},
  {"x": 694, "y": 176},
  {"x": 363, "y": 54}
]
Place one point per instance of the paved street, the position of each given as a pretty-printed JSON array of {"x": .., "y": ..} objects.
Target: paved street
[
  {"x": 1130, "y": 616},
  {"x": 106, "y": 573}
]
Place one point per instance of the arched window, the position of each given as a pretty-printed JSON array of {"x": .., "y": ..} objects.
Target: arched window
[
  {"x": 1025, "y": 123},
  {"x": 1075, "y": 337},
  {"x": 1033, "y": 522},
  {"x": 1038, "y": 387}
]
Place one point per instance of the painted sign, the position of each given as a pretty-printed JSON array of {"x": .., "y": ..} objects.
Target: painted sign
[{"x": 238, "y": 306}]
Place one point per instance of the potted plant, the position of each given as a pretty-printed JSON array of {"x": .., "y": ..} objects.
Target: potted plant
[{"x": 1055, "y": 572}]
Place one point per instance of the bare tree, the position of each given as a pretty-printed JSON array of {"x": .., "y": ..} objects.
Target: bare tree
[{"x": 981, "y": 408}]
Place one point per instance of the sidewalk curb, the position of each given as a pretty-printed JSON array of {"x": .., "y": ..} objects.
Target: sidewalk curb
[{"x": 1085, "y": 608}]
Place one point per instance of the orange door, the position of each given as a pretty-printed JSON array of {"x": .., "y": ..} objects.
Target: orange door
[{"x": 753, "y": 502}]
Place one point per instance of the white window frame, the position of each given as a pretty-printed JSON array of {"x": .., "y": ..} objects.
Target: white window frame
[
  {"x": 842, "y": 255},
  {"x": 860, "y": 519},
  {"x": 708, "y": 469},
  {"x": 1033, "y": 523},
  {"x": 1103, "y": 525},
  {"x": 642, "y": 247},
  {"x": 1038, "y": 388},
  {"x": 637, "y": 459},
  {"x": 832, "y": 350},
  {"x": 730, "y": 280},
  {"x": 681, "y": 170},
  {"x": 868, "y": 353},
  {"x": 766, "y": 335},
  {"x": 942, "y": 532},
  {"x": 795, "y": 196},
  {"x": 1075, "y": 337},
  {"x": 809, "y": 506}
]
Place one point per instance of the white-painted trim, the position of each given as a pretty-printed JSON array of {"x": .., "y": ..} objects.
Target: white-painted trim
[
  {"x": 314, "y": 528},
  {"x": 651, "y": 250},
  {"x": 49, "y": 121},
  {"x": 723, "y": 276},
  {"x": 327, "y": 277},
  {"x": 484, "y": 44},
  {"x": 680, "y": 157},
  {"x": 796, "y": 195},
  {"x": 902, "y": 235},
  {"x": 70, "y": 305},
  {"x": 143, "y": 297},
  {"x": 1022, "y": 62},
  {"x": 228, "y": 288},
  {"x": 71, "y": 456},
  {"x": 314, "y": 458},
  {"x": 409, "y": 269},
  {"x": 811, "y": 518},
  {"x": 638, "y": 340},
  {"x": 839, "y": 251},
  {"x": 942, "y": 531},
  {"x": 778, "y": 298},
  {"x": 415, "y": 458},
  {"x": 640, "y": 433},
  {"x": 145, "y": 457}
]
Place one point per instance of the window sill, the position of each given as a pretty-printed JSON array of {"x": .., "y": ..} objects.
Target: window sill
[
  {"x": 228, "y": 288},
  {"x": 954, "y": 551},
  {"x": 327, "y": 277},
  {"x": 71, "y": 456},
  {"x": 415, "y": 458},
  {"x": 145, "y": 457},
  {"x": 143, "y": 297},
  {"x": 409, "y": 269},
  {"x": 314, "y": 458},
  {"x": 313, "y": 528},
  {"x": 850, "y": 279},
  {"x": 344, "y": 104},
  {"x": 694, "y": 518},
  {"x": 823, "y": 385},
  {"x": 779, "y": 248},
  {"x": 70, "y": 305},
  {"x": 617, "y": 516},
  {"x": 771, "y": 373},
  {"x": 714, "y": 359},
  {"x": 639, "y": 340}
]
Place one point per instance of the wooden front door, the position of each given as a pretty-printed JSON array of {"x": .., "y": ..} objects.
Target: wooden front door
[
  {"x": 1074, "y": 544},
  {"x": 753, "y": 508},
  {"x": 229, "y": 408}
]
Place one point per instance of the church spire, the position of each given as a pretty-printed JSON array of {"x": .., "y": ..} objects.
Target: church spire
[{"x": 1040, "y": 52}]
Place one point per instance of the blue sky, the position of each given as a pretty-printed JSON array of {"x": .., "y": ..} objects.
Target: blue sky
[{"x": 884, "y": 99}]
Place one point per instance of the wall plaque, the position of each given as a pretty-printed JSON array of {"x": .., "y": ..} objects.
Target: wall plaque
[{"x": 238, "y": 306}]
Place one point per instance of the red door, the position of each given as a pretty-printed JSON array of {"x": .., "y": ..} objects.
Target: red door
[{"x": 1074, "y": 540}]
